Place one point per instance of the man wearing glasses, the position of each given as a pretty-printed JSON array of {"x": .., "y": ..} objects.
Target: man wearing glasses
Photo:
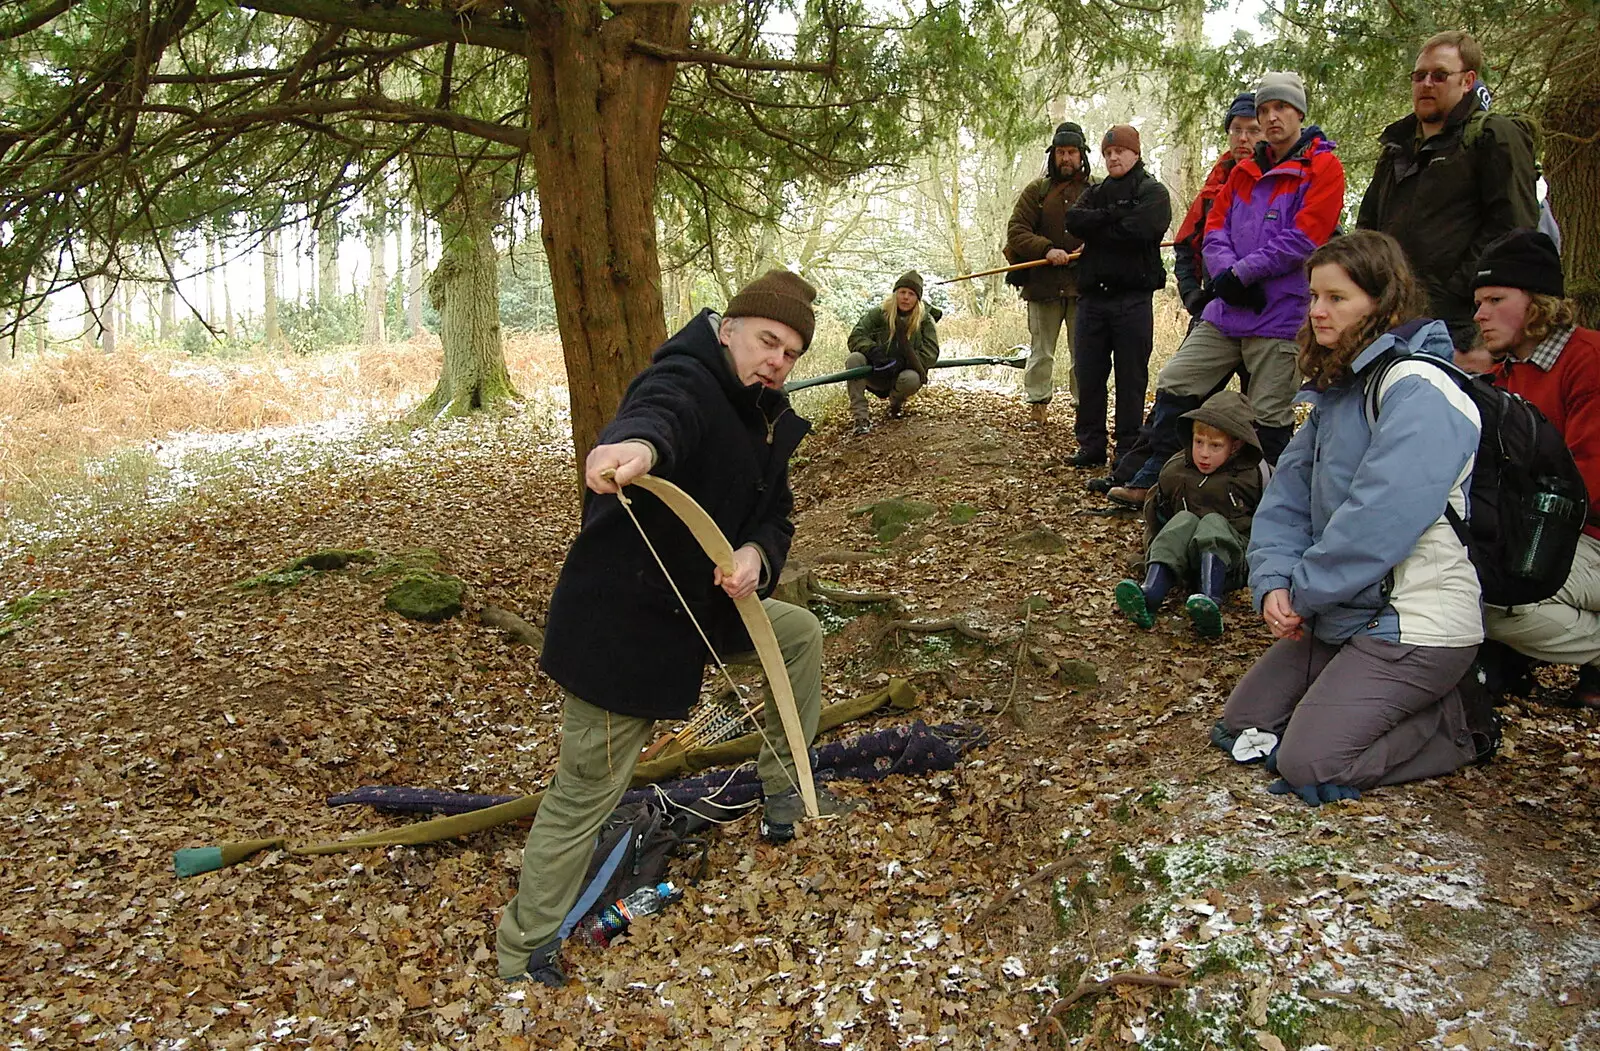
[{"x": 1452, "y": 178}]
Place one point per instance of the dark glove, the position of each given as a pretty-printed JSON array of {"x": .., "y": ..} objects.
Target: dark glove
[
  {"x": 879, "y": 358},
  {"x": 1317, "y": 794},
  {"x": 1227, "y": 287},
  {"x": 1197, "y": 299}
]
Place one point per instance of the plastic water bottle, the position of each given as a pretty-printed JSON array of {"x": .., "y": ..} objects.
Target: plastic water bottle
[
  {"x": 1549, "y": 505},
  {"x": 615, "y": 918}
]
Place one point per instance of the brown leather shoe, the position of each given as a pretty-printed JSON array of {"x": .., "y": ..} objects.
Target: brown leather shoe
[
  {"x": 1127, "y": 496},
  {"x": 1039, "y": 412}
]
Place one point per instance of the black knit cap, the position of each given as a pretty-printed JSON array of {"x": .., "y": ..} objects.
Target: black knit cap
[
  {"x": 781, "y": 296},
  {"x": 912, "y": 280},
  {"x": 1525, "y": 259},
  {"x": 1069, "y": 134},
  {"x": 1243, "y": 105}
]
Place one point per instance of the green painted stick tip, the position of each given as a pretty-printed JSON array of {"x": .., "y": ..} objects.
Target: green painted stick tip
[{"x": 192, "y": 861}]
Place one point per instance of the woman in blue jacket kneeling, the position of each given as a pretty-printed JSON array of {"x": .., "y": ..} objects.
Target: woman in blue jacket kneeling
[{"x": 1353, "y": 565}]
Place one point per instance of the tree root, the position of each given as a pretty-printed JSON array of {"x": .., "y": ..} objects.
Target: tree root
[
  {"x": 1009, "y": 896},
  {"x": 1087, "y": 989},
  {"x": 839, "y": 595},
  {"x": 958, "y": 624},
  {"x": 1019, "y": 711},
  {"x": 513, "y": 625}
]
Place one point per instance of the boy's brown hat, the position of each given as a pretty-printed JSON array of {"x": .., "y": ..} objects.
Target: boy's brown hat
[{"x": 1229, "y": 412}]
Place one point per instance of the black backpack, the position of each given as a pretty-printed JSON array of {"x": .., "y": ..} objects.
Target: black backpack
[
  {"x": 635, "y": 844},
  {"x": 1521, "y": 455}
]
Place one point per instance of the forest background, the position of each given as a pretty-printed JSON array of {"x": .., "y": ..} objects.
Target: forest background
[{"x": 257, "y": 186}]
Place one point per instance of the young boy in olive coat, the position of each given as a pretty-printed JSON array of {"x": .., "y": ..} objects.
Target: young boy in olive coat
[{"x": 1197, "y": 516}]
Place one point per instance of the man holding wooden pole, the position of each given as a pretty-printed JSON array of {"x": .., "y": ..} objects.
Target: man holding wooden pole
[{"x": 1038, "y": 231}]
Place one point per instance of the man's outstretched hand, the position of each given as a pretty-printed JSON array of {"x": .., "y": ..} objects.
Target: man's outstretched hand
[{"x": 610, "y": 467}]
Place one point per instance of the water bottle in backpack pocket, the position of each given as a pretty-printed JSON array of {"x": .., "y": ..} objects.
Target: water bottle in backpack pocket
[
  {"x": 1527, "y": 502},
  {"x": 1552, "y": 520}
]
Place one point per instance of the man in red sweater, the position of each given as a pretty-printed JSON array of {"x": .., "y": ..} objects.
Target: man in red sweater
[{"x": 1547, "y": 359}]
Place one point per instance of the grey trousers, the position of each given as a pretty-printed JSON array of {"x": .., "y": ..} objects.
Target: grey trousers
[
  {"x": 1363, "y": 714},
  {"x": 598, "y": 753},
  {"x": 1045, "y": 320},
  {"x": 1206, "y": 357}
]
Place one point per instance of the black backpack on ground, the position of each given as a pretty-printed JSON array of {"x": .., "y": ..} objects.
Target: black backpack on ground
[
  {"x": 1527, "y": 503},
  {"x": 635, "y": 844}
]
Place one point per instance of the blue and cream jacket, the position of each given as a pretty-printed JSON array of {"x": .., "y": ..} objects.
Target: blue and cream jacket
[{"x": 1352, "y": 523}]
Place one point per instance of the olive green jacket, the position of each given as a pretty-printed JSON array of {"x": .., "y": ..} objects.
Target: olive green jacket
[{"x": 872, "y": 337}]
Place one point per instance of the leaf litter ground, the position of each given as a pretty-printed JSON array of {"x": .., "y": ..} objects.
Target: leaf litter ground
[{"x": 153, "y": 706}]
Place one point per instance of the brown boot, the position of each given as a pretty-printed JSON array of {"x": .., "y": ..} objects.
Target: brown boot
[
  {"x": 1039, "y": 413},
  {"x": 1127, "y": 496}
]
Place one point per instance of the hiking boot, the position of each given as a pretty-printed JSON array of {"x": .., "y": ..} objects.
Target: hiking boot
[
  {"x": 781, "y": 812},
  {"x": 1586, "y": 693},
  {"x": 544, "y": 966},
  {"x": 1205, "y": 606},
  {"x": 1039, "y": 413},
  {"x": 862, "y": 426},
  {"x": 897, "y": 407},
  {"x": 1127, "y": 496},
  {"x": 1084, "y": 458},
  {"x": 1506, "y": 673},
  {"x": 1100, "y": 485}
]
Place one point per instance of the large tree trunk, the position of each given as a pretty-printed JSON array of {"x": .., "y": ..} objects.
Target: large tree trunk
[
  {"x": 1572, "y": 167},
  {"x": 465, "y": 290},
  {"x": 596, "y": 140}
]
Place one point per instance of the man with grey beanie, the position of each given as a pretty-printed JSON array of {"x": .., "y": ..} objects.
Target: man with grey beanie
[{"x": 1276, "y": 208}]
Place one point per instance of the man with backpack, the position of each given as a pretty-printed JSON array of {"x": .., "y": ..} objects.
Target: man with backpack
[
  {"x": 1451, "y": 178},
  {"x": 1555, "y": 365},
  {"x": 639, "y": 608}
]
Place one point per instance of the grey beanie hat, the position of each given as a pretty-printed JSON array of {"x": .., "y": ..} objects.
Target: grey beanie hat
[{"x": 1282, "y": 87}]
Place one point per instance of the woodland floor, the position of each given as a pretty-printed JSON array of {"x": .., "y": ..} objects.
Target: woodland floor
[{"x": 154, "y": 706}]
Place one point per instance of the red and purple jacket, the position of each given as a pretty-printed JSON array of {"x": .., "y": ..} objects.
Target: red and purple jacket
[{"x": 1263, "y": 226}]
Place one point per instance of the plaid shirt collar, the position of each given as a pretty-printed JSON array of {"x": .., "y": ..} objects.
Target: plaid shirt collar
[{"x": 1550, "y": 348}]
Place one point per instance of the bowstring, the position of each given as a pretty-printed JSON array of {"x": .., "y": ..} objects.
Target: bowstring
[{"x": 627, "y": 505}]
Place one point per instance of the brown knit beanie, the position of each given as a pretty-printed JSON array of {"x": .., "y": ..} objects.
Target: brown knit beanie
[
  {"x": 1123, "y": 135},
  {"x": 912, "y": 280},
  {"x": 781, "y": 296}
]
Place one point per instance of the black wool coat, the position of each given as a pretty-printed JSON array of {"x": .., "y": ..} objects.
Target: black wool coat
[
  {"x": 1121, "y": 221},
  {"x": 617, "y": 636}
]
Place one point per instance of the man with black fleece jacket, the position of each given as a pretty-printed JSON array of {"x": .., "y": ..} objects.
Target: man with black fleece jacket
[
  {"x": 1121, "y": 220},
  {"x": 709, "y": 415}
]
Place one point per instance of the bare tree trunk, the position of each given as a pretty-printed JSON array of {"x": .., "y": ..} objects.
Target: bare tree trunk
[
  {"x": 1572, "y": 168},
  {"x": 269, "y": 310},
  {"x": 416, "y": 271},
  {"x": 108, "y": 315},
  {"x": 327, "y": 262},
  {"x": 372, "y": 329},
  {"x": 465, "y": 290},
  {"x": 169, "y": 308},
  {"x": 598, "y": 107},
  {"x": 227, "y": 297},
  {"x": 211, "y": 281},
  {"x": 1188, "y": 168}
]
